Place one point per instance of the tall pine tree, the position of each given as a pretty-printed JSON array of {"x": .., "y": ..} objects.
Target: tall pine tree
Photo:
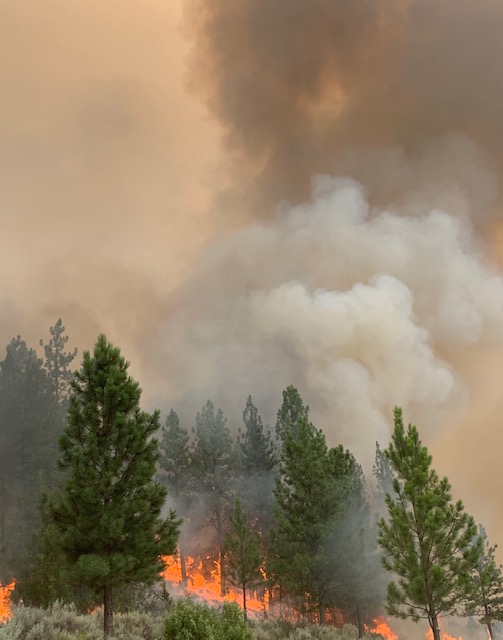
[
  {"x": 213, "y": 464},
  {"x": 243, "y": 553},
  {"x": 109, "y": 514},
  {"x": 427, "y": 539},
  {"x": 176, "y": 472}
]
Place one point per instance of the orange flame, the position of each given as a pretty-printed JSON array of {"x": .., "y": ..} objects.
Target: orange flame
[
  {"x": 382, "y": 628},
  {"x": 5, "y": 612},
  {"x": 205, "y": 584}
]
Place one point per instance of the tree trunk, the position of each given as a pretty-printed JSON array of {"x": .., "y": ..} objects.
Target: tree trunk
[
  {"x": 322, "y": 613},
  {"x": 490, "y": 630},
  {"x": 183, "y": 566},
  {"x": 220, "y": 539},
  {"x": 359, "y": 621},
  {"x": 433, "y": 619},
  {"x": 244, "y": 601},
  {"x": 108, "y": 612}
]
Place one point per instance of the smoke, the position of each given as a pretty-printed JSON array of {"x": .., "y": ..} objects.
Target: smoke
[
  {"x": 351, "y": 87},
  {"x": 396, "y": 299},
  {"x": 344, "y": 238},
  {"x": 349, "y": 304}
]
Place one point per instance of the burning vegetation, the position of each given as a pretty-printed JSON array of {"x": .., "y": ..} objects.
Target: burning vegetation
[{"x": 5, "y": 605}]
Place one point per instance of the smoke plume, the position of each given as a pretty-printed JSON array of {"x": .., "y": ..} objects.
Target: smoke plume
[{"x": 333, "y": 223}]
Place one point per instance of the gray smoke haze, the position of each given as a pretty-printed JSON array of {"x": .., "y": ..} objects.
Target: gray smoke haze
[{"x": 345, "y": 237}]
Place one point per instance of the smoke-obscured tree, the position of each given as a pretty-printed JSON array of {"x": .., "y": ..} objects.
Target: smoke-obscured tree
[
  {"x": 29, "y": 431},
  {"x": 353, "y": 559},
  {"x": 383, "y": 474},
  {"x": 108, "y": 515},
  {"x": 213, "y": 463},
  {"x": 255, "y": 444},
  {"x": 175, "y": 466},
  {"x": 258, "y": 469},
  {"x": 57, "y": 360},
  {"x": 428, "y": 539},
  {"x": 486, "y": 598},
  {"x": 310, "y": 490},
  {"x": 290, "y": 414},
  {"x": 243, "y": 553}
]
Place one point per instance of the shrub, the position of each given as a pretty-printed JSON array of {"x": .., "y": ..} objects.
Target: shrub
[
  {"x": 189, "y": 620},
  {"x": 63, "y": 622}
]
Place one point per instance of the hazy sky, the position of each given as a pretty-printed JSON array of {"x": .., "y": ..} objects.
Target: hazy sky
[{"x": 245, "y": 195}]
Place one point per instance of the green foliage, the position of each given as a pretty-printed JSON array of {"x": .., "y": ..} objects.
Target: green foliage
[
  {"x": 175, "y": 459},
  {"x": 428, "y": 539},
  {"x": 243, "y": 554},
  {"x": 63, "y": 622},
  {"x": 108, "y": 515},
  {"x": 310, "y": 492},
  {"x": 188, "y": 620},
  {"x": 29, "y": 424},
  {"x": 57, "y": 360},
  {"x": 383, "y": 473},
  {"x": 291, "y": 413},
  {"x": 486, "y": 597},
  {"x": 255, "y": 444}
]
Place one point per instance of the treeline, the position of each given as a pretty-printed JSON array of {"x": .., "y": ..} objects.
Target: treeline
[
  {"x": 277, "y": 510},
  {"x": 33, "y": 406}
]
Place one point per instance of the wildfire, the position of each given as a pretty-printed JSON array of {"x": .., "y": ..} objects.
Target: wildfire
[
  {"x": 382, "y": 628},
  {"x": 5, "y": 612},
  {"x": 203, "y": 582}
]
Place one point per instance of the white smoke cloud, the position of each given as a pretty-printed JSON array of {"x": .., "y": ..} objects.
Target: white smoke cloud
[{"x": 346, "y": 302}]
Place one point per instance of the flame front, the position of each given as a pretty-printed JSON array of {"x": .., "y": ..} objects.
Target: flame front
[
  {"x": 382, "y": 628},
  {"x": 5, "y": 611},
  {"x": 206, "y": 585}
]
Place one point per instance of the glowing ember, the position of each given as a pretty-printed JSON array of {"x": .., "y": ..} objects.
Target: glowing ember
[
  {"x": 5, "y": 612},
  {"x": 382, "y": 628},
  {"x": 203, "y": 582}
]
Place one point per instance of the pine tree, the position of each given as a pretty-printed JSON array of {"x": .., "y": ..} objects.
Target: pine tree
[
  {"x": 242, "y": 549},
  {"x": 291, "y": 412},
  {"x": 256, "y": 447},
  {"x": 486, "y": 598},
  {"x": 28, "y": 428},
  {"x": 383, "y": 473},
  {"x": 310, "y": 490},
  {"x": 175, "y": 466},
  {"x": 428, "y": 539},
  {"x": 213, "y": 468},
  {"x": 108, "y": 514},
  {"x": 57, "y": 360}
]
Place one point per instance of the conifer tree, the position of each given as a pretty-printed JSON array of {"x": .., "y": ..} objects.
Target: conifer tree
[
  {"x": 427, "y": 539},
  {"x": 57, "y": 361},
  {"x": 213, "y": 466},
  {"x": 256, "y": 447},
  {"x": 383, "y": 473},
  {"x": 28, "y": 454},
  {"x": 291, "y": 412},
  {"x": 175, "y": 465},
  {"x": 486, "y": 598},
  {"x": 242, "y": 550},
  {"x": 109, "y": 513},
  {"x": 313, "y": 481}
]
